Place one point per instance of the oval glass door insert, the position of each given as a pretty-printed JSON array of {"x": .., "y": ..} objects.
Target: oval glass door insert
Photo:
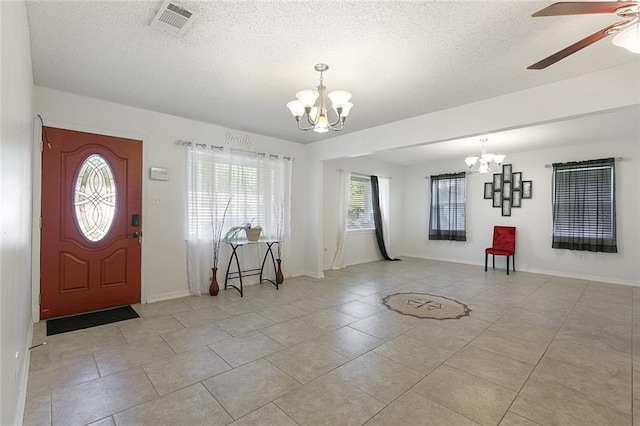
[{"x": 95, "y": 198}]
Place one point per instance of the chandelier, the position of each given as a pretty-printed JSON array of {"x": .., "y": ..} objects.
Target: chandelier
[
  {"x": 486, "y": 162},
  {"x": 317, "y": 114}
]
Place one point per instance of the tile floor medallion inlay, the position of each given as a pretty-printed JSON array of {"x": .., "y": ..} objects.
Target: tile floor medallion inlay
[{"x": 425, "y": 305}]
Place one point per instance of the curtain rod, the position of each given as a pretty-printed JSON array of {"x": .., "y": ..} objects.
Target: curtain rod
[
  {"x": 262, "y": 154},
  {"x": 466, "y": 173},
  {"x": 548, "y": 166},
  {"x": 221, "y": 148},
  {"x": 198, "y": 145}
]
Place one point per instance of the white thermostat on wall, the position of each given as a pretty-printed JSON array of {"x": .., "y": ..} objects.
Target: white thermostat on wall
[{"x": 158, "y": 173}]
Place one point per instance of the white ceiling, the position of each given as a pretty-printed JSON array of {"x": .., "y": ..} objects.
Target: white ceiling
[
  {"x": 616, "y": 125},
  {"x": 242, "y": 61}
]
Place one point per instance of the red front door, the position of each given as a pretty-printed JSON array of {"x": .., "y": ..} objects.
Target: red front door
[{"x": 90, "y": 238}]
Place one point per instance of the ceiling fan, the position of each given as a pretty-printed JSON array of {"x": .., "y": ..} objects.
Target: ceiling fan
[{"x": 628, "y": 31}]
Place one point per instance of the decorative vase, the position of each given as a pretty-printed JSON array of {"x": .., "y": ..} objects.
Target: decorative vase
[
  {"x": 214, "y": 288},
  {"x": 279, "y": 276}
]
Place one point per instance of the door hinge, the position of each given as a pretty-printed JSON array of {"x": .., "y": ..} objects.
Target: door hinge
[
  {"x": 40, "y": 222},
  {"x": 39, "y": 299}
]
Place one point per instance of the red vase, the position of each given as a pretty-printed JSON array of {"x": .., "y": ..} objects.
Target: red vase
[
  {"x": 214, "y": 288},
  {"x": 279, "y": 276}
]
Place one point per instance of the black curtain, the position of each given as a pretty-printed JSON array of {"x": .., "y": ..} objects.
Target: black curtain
[
  {"x": 377, "y": 217},
  {"x": 584, "y": 208},
  {"x": 448, "y": 207}
]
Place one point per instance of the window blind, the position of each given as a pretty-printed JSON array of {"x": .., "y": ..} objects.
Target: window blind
[
  {"x": 584, "y": 206},
  {"x": 253, "y": 188},
  {"x": 448, "y": 207},
  {"x": 360, "y": 211}
]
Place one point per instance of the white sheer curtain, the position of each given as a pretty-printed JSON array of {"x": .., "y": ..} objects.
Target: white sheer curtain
[
  {"x": 260, "y": 189},
  {"x": 343, "y": 206},
  {"x": 383, "y": 185},
  {"x": 283, "y": 169},
  {"x": 239, "y": 187},
  {"x": 202, "y": 216}
]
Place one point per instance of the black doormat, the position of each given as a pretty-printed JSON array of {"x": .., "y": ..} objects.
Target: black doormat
[{"x": 92, "y": 319}]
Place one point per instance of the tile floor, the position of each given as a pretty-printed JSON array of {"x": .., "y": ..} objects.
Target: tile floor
[{"x": 536, "y": 349}]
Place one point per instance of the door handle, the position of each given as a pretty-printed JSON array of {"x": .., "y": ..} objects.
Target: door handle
[{"x": 135, "y": 234}]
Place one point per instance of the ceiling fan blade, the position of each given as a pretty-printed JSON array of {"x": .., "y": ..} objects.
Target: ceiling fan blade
[
  {"x": 582, "y": 8},
  {"x": 573, "y": 48}
]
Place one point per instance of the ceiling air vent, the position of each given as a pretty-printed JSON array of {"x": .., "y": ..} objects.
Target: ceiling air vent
[{"x": 173, "y": 18}]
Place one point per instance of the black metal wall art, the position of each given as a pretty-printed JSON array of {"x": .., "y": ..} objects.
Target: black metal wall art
[{"x": 507, "y": 190}]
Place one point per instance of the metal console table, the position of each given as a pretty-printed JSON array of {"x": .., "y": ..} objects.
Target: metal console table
[{"x": 240, "y": 273}]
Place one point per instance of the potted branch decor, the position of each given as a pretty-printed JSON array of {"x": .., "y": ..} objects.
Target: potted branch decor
[
  {"x": 279, "y": 218},
  {"x": 214, "y": 288}
]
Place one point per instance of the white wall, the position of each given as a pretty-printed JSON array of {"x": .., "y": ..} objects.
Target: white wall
[
  {"x": 163, "y": 247},
  {"x": 313, "y": 201},
  {"x": 16, "y": 110},
  {"x": 534, "y": 219},
  {"x": 361, "y": 246}
]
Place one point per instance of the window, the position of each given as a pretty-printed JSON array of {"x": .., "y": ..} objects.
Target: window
[
  {"x": 242, "y": 188},
  {"x": 448, "y": 207},
  {"x": 95, "y": 199},
  {"x": 360, "y": 212},
  {"x": 584, "y": 206}
]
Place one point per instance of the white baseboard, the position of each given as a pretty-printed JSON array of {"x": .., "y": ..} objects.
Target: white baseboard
[
  {"x": 354, "y": 262},
  {"x": 24, "y": 380},
  {"x": 540, "y": 271},
  {"x": 186, "y": 293},
  {"x": 361, "y": 261},
  {"x": 168, "y": 296},
  {"x": 314, "y": 275},
  {"x": 441, "y": 259},
  {"x": 582, "y": 277}
]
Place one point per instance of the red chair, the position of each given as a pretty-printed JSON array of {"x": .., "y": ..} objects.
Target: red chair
[{"x": 504, "y": 244}]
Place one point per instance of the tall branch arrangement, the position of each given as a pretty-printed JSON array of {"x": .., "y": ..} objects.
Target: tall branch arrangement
[
  {"x": 218, "y": 225},
  {"x": 278, "y": 214}
]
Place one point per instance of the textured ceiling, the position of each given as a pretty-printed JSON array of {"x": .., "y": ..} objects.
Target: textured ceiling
[{"x": 242, "y": 61}]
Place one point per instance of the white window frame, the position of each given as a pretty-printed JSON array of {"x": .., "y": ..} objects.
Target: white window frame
[
  {"x": 457, "y": 233},
  {"x": 366, "y": 225}
]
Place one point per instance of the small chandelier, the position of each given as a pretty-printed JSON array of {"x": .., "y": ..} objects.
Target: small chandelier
[
  {"x": 486, "y": 162},
  {"x": 317, "y": 114}
]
